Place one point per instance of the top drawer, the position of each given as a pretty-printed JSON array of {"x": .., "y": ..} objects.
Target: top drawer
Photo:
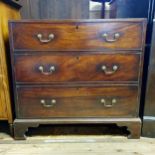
[{"x": 77, "y": 35}]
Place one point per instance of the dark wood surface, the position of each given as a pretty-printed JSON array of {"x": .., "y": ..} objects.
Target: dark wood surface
[
  {"x": 148, "y": 128},
  {"x": 78, "y": 68},
  {"x": 133, "y": 124},
  {"x": 149, "y": 113},
  {"x": 54, "y": 9},
  {"x": 77, "y": 102},
  {"x": 76, "y": 35},
  {"x": 79, "y": 86},
  {"x": 79, "y": 9},
  {"x": 129, "y": 9}
]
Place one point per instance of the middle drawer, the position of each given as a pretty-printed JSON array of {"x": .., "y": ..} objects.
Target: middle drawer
[{"x": 77, "y": 68}]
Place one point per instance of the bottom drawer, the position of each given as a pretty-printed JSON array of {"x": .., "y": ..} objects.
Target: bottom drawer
[{"x": 47, "y": 102}]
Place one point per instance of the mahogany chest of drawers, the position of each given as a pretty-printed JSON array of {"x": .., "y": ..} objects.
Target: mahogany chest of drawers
[{"x": 77, "y": 72}]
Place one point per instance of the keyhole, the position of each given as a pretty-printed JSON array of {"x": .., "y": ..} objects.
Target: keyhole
[
  {"x": 77, "y": 58},
  {"x": 77, "y": 27}
]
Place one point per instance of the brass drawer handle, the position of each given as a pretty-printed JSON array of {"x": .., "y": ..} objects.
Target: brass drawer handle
[
  {"x": 51, "y": 70},
  {"x": 110, "y": 39},
  {"x": 50, "y": 38},
  {"x": 109, "y": 72},
  {"x": 108, "y": 104},
  {"x": 48, "y": 104}
]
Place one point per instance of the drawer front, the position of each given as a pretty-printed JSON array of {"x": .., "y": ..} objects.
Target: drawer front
[
  {"x": 77, "y": 68},
  {"x": 73, "y": 36},
  {"x": 77, "y": 102}
]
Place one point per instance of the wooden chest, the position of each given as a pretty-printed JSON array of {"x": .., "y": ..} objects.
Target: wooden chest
[{"x": 77, "y": 71}]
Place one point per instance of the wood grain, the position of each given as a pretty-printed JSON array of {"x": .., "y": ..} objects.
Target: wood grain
[
  {"x": 133, "y": 124},
  {"x": 77, "y": 35},
  {"x": 70, "y": 144},
  {"x": 77, "y": 68},
  {"x": 77, "y": 102},
  {"x": 7, "y": 12},
  {"x": 79, "y": 92},
  {"x": 54, "y": 9}
]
